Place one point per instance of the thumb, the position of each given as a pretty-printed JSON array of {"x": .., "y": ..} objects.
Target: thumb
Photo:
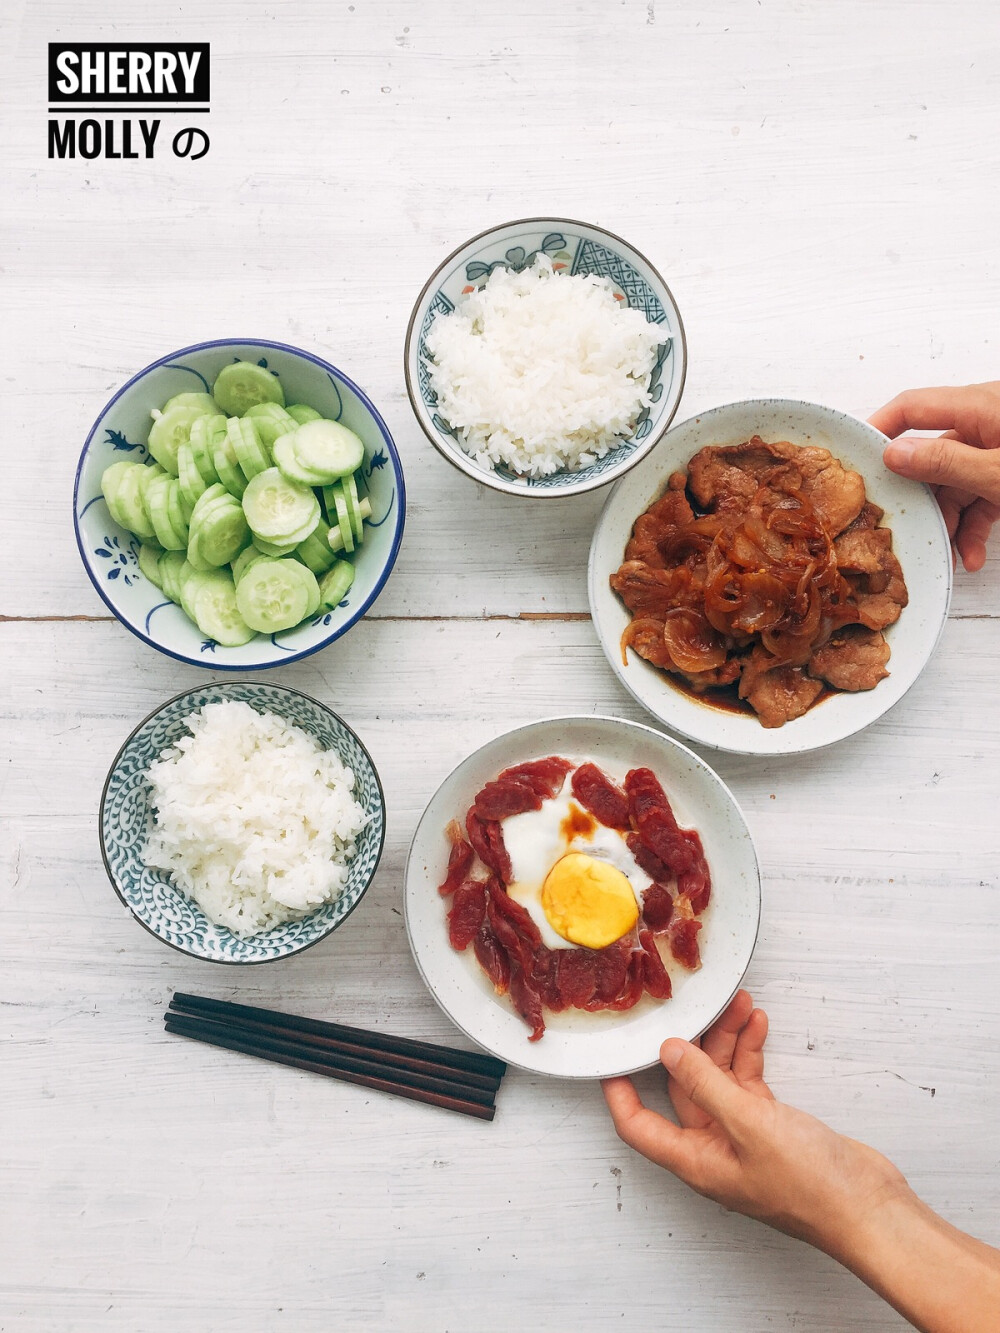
[
  {"x": 706, "y": 1085},
  {"x": 944, "y": 462}
]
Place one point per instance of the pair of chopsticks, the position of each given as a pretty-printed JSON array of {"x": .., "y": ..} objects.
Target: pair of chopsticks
[{"x": 438, "y": 1075}]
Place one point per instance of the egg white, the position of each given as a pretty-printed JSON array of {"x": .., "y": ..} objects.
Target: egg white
[{"x": 535, "y": 842}]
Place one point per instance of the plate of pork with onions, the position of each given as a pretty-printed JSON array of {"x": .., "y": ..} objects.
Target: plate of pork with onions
[{"x": 763, "y": 584}]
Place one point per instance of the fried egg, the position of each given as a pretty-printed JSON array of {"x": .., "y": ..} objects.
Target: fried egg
[{"x": 576, "y": 878}]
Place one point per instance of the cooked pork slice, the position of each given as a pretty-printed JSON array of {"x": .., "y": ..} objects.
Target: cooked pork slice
[
  {"x": 853, "y": 659},
  {"x": 870, "y": 517},
  {"x": 866, "y": 552},
  {"x": 782, "y": 694},
  {"x": 727, "y": 674},
  {"x": 654, "y": 592},
  {"x": 867, "y": 562},
  {"x": 836, "y": 495},
  {"x": 725, "y": 474},
  {"x": 879, "y": 609}
]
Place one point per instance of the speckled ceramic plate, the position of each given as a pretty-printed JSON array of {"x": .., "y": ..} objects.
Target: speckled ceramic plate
[
  {"x": 573, "y": 247},
  {"x": 581, "y": 1045},
  {"x": 920, "y": 542},
  {"x": 127, "y": 814}
]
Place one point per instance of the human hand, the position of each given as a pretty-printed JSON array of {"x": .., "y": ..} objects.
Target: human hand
[
  {"x": 963, "y": 464},
  {"x": 736, "y": 1144}
]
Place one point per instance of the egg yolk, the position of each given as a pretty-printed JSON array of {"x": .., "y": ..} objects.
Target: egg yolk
[{"x": 588, "y": 902}]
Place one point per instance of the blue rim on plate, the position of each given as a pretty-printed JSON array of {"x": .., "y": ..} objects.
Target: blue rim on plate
[
  {"x": 125, "y": 814},
  {"x": 289, "y": 655}
]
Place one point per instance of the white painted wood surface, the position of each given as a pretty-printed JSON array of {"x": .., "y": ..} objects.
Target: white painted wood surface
[{"x": 819, "y": 187}]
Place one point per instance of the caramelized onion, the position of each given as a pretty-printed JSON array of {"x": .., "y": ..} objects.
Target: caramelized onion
[{"x": 691, "y": 641}]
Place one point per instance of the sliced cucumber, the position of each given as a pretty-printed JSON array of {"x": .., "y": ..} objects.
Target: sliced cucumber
[
  {"x": 221, "y": 534},
  {"x": 301, "y": 413},
  {"x": 204, "y": 432},
  {"x": 315, "y": 551},
  {"x": 238, "y": 387},
  {"x": 158, "y": 501},
  {"x": 251, "y": 455},
  {"x": 274, "y": 595},
  {"x": 247, "y": 557},
  {"x": 192, "y": 483},
  {"x": 169, "y": 571},
  {"x": 169, "y": 431},
  {"x": 278, "y": 509},
  {"x": 203, "y": 401},
  {"x": 353, "y": 508},
  {"x": 334, "y": 584},
  {"x": 227, "y": 465},
  {"x": 216, "y": 612},
  {"x": 187, "y": 582},
  {"x": 149, "y": 560},
  {"x": 285, "y": 458},
  {"x": 343, "y": 519},
  {"x": 271, "y": 421},
  {"x": 335, "y": 539},
  {"x": 275, "y": 549},
  {"x": 328, "y": 449},
  {"x": 130, "y": 506},
  {"x": 175, "y": 509}
]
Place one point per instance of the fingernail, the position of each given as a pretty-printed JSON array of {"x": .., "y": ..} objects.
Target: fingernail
[
  {"x": 900, "y": 453},
  {"x": 671, "y": 1054}
]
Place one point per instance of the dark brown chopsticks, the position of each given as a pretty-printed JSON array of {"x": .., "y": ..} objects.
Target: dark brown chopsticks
[{"x": 438, "y": 1075}]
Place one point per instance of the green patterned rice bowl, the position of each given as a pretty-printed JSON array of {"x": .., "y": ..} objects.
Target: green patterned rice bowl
[{"x": 127, "y": 813}]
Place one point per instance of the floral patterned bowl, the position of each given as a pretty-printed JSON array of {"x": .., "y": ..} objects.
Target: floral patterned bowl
[
  {"x": 575, "y": 247},
  {"x": 110, "y": 554},
  {"x": 127, "y": 814}
]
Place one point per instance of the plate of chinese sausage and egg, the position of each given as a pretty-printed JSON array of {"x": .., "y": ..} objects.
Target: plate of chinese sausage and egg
[
  {"x": 763, "y": 583},
  {"x": 579, "y": 890}
]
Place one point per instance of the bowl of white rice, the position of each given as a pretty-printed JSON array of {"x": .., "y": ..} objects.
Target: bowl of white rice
[
  {"x": 545, "y": 357},
  {"x": 242, "y": 822}
]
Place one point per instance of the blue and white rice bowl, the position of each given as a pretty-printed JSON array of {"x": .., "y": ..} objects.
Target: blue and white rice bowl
[
  {"x": 126, "y": 819},
  {"x": 574, "y": 248},
  {"x": 110, "y": 554}
]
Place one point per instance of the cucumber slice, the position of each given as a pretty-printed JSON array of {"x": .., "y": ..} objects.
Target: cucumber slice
[
  {"x": 343, "y": 519},
  {"x": 335, "y": 540},
  {"x": 250, "y": 453},
  {"x": 278, "y": 509},
  {"x": 204, "y": 401},
  {"x": 192, "y": 483},
  {"x": 328, "y": 449},
  {"x": 195, "y": 558},
  {"x": 111, "y": 479},
  {"x": 301, "y": 413},
  {"x": 158, "y": 500},
  {"x": 175, "y": 509},
  {"x": 187, "y": 582},
  {"x": 274, "y": 595},
  {"x": 129, "y": 506},
  {"x": 149, "y": 560},
  {"x": 283, "y": 451},
  {"x": 353, "y": 508},
  {"x": 227, "y": 465},
  {"x": 215, "y": 610},
  {"x": 315, "y": 551},
  {"x": 169, "y": 431},
  {"x": 247, "y": 557},
  {"x": 275, "y": 549},
  {"x": 238, "y": 387},
  {"x": 204, "y": 433},
  {"x": 334, "y": 584},
  {"x": 169, "y": 571},
  {"x": 222, "y": 534},
  {"x": 271, "y": 421}
]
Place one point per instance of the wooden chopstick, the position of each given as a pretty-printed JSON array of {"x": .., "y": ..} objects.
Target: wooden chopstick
[
  {"x": 470, "y": 1061},
  {"x": 443, "y": 1081},
  {"x": 232, "y": 1038},
  {"x": 406, "y": 1064}
]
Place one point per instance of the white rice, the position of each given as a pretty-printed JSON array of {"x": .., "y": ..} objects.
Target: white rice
[
  {"x": 254, "y": 821},
  {"x": 542, "y": 370}
]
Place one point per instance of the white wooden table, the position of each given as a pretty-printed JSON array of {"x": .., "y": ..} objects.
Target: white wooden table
[{"x": 818, "y": 184}]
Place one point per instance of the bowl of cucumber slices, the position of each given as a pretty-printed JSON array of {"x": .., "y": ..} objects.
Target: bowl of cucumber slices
[{"x": 239, "y": 504}]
